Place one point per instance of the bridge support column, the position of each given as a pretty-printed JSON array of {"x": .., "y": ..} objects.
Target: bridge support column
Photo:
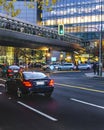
[{"x": 48, "y": 56}]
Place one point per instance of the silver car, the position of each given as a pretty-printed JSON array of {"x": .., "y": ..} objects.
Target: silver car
[
  {"x": 84, "y": 66},
  {"x": 67, "y": 66}
]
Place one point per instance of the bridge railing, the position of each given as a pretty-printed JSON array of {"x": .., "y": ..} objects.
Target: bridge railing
[{"x": 15, "y": 24}]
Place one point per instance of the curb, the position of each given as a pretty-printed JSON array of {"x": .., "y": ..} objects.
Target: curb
[
  {"x": 98, "y": 77},
  {"x": 94, "y": 76}
]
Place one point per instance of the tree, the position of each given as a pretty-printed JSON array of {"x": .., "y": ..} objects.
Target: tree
[{"x": 9, "y": 7}]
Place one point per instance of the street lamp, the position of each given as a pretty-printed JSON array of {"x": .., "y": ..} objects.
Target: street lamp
[{"x": 100, "y": 42}]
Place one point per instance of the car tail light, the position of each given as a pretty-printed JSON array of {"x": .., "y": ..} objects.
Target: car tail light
[
  {"x": 10, "y": 74},
  {"x": 51, "y": 82},
  {"x": 27, "y": 84},
  {"x": 9, "y": 71}
]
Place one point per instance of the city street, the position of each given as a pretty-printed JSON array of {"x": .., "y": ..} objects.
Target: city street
[
  {"x": 77, "y": 103},
  {"x": 51, "y": 65}
]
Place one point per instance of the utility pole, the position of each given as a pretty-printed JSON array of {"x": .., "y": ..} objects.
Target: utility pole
[{"x": 100, "y": 42}]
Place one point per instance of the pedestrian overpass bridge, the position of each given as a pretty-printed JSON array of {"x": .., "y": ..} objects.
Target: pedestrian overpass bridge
[{"x": 17, "y": 33}]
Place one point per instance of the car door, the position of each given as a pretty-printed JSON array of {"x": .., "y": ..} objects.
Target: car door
[
  {"x": 61, "y": 67},
  {"x": 67, "y": 66},
  {"x": 64, "y": 66}
]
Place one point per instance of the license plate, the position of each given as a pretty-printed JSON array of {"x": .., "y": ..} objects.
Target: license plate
[
  {"x": 15, "y": 70},
  {"x": 39, "y": 83}
]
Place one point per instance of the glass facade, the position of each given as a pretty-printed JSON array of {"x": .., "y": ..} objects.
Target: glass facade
[
  {"x": 28, "y": 14},
  {"x": 10, "y": 55},
  {"x": 80, "y": 17}
]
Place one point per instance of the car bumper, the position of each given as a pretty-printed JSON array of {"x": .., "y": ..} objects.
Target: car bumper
[{"x": 40, "y": 90}]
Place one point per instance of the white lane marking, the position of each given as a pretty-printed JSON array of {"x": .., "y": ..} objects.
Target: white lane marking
[
  {"x": 9, "y": 98},
  {"x": 87, "y": 103},
  {"x": 2, "y": 79},
  {"x": 2, "y": 85},
  {"x": 39, "y": 112}
]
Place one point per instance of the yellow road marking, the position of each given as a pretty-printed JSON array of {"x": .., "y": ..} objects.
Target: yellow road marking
[{"x": 82, "y": 88}]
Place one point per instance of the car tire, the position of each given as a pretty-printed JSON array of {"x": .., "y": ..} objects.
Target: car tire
[
  {"x": 47, "y": 69},
  {"x": 59, "y": 69},
  {"x": 47, "y": 94},
  {"x": 19, "y": 93},
  {"x": 88, "y": 68}
]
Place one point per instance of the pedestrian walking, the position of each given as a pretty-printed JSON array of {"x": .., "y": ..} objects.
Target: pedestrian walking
[
  {"x": 94, "y": 68},
  {"x": 97, "y": 68}
]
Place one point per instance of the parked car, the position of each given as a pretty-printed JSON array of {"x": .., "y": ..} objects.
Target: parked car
[
  {"x": 12, "y": 69},
  {"x": 3, "y": 70},
  {"x": 50, "y": 67},
  {"x": 67, "y": 66},
  {"x": 84, "y": 66},
  {"x": 29, "y": 82},
  {"x": 56, "y": 65}
]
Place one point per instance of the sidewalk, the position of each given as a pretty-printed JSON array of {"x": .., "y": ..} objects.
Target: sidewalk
[{"x": 93, "y": 75}]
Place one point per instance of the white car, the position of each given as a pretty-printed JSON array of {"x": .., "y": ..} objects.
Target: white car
[
  {"x": 84, "y": 66},
  {"x": 48, "y": 67},
  {"x": 67, "y": 66}
]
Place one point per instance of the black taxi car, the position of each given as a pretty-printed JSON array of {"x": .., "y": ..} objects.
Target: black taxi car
[{"x": 28, "y": 82}]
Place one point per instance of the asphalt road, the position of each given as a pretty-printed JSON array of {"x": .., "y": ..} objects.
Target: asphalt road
[{"x": 77, "y": 103}]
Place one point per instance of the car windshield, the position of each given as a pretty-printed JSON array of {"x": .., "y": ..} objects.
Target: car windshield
[
  {"x": 34, "y": 75},
  {"x": 14, "y": 67}
]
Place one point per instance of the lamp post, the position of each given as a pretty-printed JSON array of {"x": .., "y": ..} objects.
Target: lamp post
[{"x": 100, "y": 43}]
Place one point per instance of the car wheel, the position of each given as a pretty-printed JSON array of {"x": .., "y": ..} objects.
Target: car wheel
[
  {"x": 47, "y": 69},
  {"x": 19, "y": 93},
  {"x": 59, "y": 69},
  {"x": 88, "y": 68},
  {"x": 47, "y": 94}
]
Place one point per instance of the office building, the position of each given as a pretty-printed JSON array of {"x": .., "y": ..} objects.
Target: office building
[
  {"x": 9, "y": 54},
  {"x": 82, "y": 18}
]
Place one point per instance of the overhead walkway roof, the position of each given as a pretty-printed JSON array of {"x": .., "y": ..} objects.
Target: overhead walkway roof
[{"x": 17, "y": 33}]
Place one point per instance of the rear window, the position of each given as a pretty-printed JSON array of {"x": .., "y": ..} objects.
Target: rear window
[
  {"x": 68, "y": 64},
  {"x": 14, "y": 67},
  {"x": 34, "y": 75}
]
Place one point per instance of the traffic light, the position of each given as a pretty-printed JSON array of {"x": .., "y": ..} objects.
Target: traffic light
[{"x": 61, "y": 29}]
